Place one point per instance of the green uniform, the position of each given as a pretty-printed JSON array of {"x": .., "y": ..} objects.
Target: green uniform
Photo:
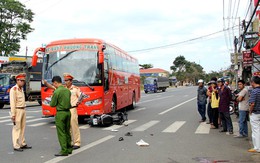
[{"x": 61, "y": 99}]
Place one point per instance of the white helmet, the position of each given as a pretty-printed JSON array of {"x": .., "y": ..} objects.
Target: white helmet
[{"x": 200, "y": 81}]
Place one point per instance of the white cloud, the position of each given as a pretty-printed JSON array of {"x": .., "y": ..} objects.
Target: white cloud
[{"x": 137, "y": 24}]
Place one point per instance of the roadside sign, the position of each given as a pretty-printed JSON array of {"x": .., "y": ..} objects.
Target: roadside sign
[{"x": 247, "y": 58}]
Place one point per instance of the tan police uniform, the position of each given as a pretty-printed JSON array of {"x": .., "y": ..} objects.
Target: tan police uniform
[
  {"x": 75, "y": 93},
  {"x": 17, "y": 103}
]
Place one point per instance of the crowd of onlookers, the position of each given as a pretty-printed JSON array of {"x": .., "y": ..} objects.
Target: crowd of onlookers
[{"x": 218, "y": 96}]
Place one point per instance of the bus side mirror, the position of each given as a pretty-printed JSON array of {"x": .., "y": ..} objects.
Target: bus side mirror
[
  {"x": 101, "y": 57},
  {"x": 101, "y": 53},
  {"x": 35, "y": 55}
]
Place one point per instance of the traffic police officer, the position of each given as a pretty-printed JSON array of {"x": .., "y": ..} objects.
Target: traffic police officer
[
  {"x": 18, "y": 115},
  {"x": 75, "y": 94},
  {"x": 61, "y": 100}
]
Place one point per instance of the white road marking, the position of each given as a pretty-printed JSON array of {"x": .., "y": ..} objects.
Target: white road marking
[
  {"x": 174, "y": 127},
  {"x": 9, "y": 120},
  {"x": 146, "y": 126},
  {"x": 203, "y": 128},
  {"x": 32, "y": 120},
  {"x": 81, "y": 149},
  {"x": 33, "y": 111},
  {"x": 155, "y": 99},
  {"x": 177, "y": 106},
  {"x": 84, "y": 127},
  {"x": 114, "y": 127},
  {"x": 5, "y": 117},
  {"x": 138, "y": 109},
  {"x": 38, "y": 124}
]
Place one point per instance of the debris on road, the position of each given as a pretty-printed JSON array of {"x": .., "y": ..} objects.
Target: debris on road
[
  {"x": 114, "y": 130},
  {"x": 142, "y": 143},
  {"x": 129, "y": 134},
  {"x": 121, "y": 139}
]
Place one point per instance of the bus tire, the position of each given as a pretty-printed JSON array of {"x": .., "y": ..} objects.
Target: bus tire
[
  {"x": 39, "y": 102},
  {"x": 145, "y": 91},
  {"x": 113, "y": 105},
  {"x": 2, "y": 105},
  {"x": 155, "y": 91},
  {"x": 133, "y": 105}
]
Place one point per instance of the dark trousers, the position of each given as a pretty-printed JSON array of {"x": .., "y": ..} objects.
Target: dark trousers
[
  {"x": 215, "y": 114},
  {"x": 210, "y": 113},
  {"x": 62, "y": 121},
  {"x": 202, "y": 111},
  {"x": 226, "y": 121}
]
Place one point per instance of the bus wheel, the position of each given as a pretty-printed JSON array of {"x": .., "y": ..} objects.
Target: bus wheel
[
  {"x": 2, "y": 105},
  {"x": 145, "y": 91},
  {"x": 39, "y": 102},
  {"x": 113, "y": 105},
  {"x": 133, "y": 105}
]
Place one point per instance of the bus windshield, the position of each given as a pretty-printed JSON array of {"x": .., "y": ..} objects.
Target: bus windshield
[
  {"x": 4, "y": 79},
  {"x": 81, "y": 64}
]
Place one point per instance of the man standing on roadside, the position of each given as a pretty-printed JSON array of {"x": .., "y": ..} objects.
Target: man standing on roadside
[
  {"x": 61, "y": 100},
  {"x": 17, "y": 103},
  {"x": 202, "y": 100},
  {"x": 254, "y": 112},
  {"x": 224, "y": 102},
  {"x": 243, "y": 98}
]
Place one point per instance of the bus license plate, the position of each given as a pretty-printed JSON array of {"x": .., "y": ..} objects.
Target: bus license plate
[{"x": 95, "y": 122}]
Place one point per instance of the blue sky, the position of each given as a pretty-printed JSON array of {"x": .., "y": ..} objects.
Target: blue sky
[{"x": 140, "y": 24}]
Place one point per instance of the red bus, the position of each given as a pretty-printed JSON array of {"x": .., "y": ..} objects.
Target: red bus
[{"x": 101, "y": 70}]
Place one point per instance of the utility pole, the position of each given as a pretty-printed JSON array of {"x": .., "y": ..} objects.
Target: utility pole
[
  {"x": 236, "y": 60},
  {"x": 26, "y": 51}
]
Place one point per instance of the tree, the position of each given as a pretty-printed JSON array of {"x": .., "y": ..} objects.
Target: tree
[
  {"x": 179, "y": 63},
  {"x": 186, "y": 71},
  {"x": 15, "y": 22},
  {"x": 146, "y": 66}
]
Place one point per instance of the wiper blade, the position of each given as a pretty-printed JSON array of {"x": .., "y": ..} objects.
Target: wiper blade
[
  {"x": 86, "y": 84},
  {"x": 60, "y": 60}
]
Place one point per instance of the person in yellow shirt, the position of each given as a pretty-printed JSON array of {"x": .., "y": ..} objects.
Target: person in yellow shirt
[
  {"x": 75, "y": 94},
  {"x": 214, "y": 104},
  {"x": 18, "y": 114}
]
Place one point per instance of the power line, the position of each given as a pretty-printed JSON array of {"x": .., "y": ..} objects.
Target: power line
[
  {"x": 248, "y": 8},
  {"x": 243, "y": 35},
  {"x": 178, "y": 43}
]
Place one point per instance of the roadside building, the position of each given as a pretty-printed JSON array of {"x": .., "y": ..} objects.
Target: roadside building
[{"x": 154, "y": 72}]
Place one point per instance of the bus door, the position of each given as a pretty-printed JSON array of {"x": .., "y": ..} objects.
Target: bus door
[{"x": 107, "y": 91}]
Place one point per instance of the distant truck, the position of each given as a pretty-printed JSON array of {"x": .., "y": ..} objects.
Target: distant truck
[
  {"x": 153, "y": 84},
  {"x": 32, "y": 89}
]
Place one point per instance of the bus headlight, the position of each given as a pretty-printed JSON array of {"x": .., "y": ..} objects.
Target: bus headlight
[
  {"x": 47, "y": 101},
  {"x": 94, "y": 102}
]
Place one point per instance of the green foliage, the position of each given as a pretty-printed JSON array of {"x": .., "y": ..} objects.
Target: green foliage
[
  {"x": 146, "y": 66},
  {"x": 15, "y": 22},
  {"x": 187, "y": 71}
]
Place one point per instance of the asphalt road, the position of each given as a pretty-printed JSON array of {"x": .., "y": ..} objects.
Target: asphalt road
[{"x": 167, "y": 121}]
